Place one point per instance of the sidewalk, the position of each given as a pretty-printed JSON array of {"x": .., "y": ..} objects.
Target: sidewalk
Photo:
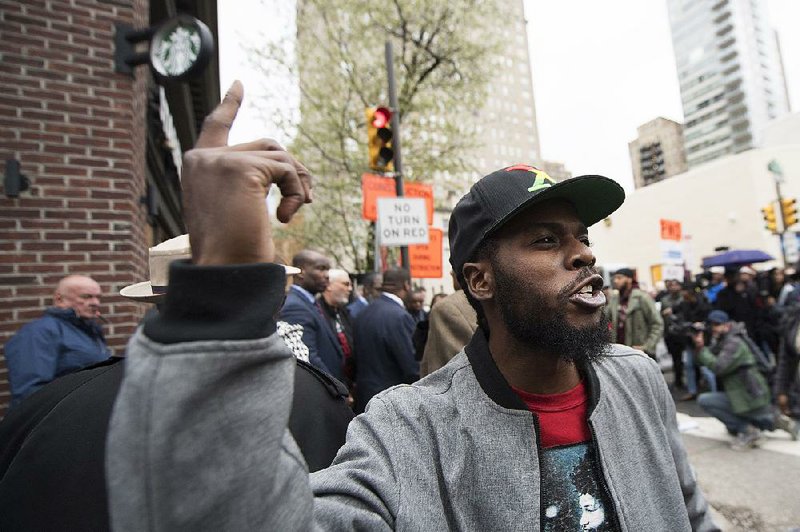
[{"x": 750, "y": 491}]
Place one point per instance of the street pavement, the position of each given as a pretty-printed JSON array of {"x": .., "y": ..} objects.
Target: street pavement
[{"x": 755, "y": 490}]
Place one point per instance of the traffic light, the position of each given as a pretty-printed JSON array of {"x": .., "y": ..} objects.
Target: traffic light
[
  {"x": 770, "y": 222},
  {"x": 379, "y": 134},
  {"x": 789, "y": 212}
]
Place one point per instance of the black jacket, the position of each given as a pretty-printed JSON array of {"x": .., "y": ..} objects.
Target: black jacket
[{"x": 52, "y": 446}]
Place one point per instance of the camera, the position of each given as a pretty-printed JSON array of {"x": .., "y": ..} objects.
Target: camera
[
  {"x": 695, "y": 328},
  {"x": 686, "y": 328}
]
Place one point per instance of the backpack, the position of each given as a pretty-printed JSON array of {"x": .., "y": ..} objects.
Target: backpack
[{"x": 765, "y": 363}]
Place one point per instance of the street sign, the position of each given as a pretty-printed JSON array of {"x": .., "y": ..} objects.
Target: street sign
[
  {"x": 426, "y": 259},
  {"x": 413, "y": 189},
  {"x": 374, "y": 187},
  {"x": 402, "y": 221},
  {"x": 670, "y": 230},
  {"x": 671, "y": 252}
]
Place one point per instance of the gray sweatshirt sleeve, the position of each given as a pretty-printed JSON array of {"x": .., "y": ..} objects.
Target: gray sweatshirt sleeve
[
  {"x": 198, "y": 438},
  {"x": 696, "y": 504}
]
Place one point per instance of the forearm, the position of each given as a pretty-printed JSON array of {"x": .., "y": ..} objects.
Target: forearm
[{"x": 198, "y": 436}]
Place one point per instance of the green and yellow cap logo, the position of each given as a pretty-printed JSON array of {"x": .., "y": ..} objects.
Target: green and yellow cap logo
[{"x": 542, "y": 180}]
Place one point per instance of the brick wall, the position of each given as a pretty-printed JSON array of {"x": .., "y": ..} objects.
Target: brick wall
[{"x": 78, "y": 130}]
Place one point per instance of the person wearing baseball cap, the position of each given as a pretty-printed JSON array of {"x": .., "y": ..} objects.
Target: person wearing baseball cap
[
  {"x": 745, "y": 404},
  {"x": 635, "y": 320},
  {"x": 539, "y": 423}
]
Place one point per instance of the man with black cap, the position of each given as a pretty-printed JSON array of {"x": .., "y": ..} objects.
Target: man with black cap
[
  {"x": 745, "y": 406},
  {"x": 635, "y": 321},
  {"x": 538, "y": 424}
]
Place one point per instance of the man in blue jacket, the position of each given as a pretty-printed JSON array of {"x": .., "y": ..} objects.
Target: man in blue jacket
[
  {"x": 65, "y": 339},
  {"x": 301, "y": 308}
]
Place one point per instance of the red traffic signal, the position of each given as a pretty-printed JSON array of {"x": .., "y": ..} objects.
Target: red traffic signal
[
  {"x": 379, "y": 134},
  {"x": 381, "y": 117}
]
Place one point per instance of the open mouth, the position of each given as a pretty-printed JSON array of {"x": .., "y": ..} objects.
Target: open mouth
[{"x": 589, "y": 294}]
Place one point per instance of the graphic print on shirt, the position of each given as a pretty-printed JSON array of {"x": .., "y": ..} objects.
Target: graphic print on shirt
[{"x": 572, "y": 497}]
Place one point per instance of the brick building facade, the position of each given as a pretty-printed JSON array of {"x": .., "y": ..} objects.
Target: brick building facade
[{"x": 94, "y": 144}]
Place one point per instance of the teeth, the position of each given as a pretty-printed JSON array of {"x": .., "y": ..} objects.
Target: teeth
[{"x": 587, "y": 290}]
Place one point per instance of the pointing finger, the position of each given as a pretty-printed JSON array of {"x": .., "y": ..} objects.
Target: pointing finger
[{"x": 218, "y": 124}]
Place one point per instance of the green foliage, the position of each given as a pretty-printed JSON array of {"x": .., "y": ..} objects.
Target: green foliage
[{"x": 443, "y": 53}]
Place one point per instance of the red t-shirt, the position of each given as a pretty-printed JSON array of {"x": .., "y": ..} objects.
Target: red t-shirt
[{"x": 562, "y": 416}]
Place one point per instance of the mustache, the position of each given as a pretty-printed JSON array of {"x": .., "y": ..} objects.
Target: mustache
[{"x": 583, "y": 274}]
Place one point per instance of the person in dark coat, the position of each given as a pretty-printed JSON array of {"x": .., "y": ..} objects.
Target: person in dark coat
[
  {"x": 384, "y": 349},
  {"x": 334, "y": 306},
  {"x": 301, "y": 308},
  {"x": 65, "y": 339},
  {"x": 370, "y": 289},
  {"x": 738, "y": 300}
]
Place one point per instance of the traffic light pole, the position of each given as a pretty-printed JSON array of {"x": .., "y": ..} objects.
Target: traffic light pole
[
  {"x": 783, "y": 224},
  {"x": 398, "y": 159}
]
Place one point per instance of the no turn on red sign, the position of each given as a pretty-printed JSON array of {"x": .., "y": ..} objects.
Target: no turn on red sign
[{"x": 402, "y": 221}]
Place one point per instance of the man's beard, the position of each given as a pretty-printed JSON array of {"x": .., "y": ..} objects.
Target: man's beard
[{"x": 530, "y": 320}]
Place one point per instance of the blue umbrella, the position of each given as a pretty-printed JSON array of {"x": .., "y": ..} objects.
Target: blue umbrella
[{"x": 736, "y": 257}]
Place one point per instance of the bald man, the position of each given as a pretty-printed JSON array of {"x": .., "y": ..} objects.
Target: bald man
[{"x": 65, "y": 339}]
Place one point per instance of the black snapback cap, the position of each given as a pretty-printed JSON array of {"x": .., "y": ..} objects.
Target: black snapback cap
[{"x": 501, "y": 195}]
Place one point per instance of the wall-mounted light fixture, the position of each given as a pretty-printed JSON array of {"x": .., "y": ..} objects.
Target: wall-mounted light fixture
[
  {"x": 14, "y": 181},
  {"x": 180, "y": 48}
]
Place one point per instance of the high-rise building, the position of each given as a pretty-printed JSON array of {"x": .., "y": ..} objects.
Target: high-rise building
[
  {"x": 729, "y": 72},
  {"x": 657, "y": 153},
  {"x": 507, "y": 123}
]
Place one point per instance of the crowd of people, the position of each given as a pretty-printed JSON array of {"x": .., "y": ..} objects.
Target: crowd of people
[
  {"x": 731, "y": 333},
  {"x": 508, "y": 404}
]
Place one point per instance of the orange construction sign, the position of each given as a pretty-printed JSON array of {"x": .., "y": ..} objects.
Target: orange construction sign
[
  {"x": 375, "y": 186},
  {"x": 426, "y": 259},
  {"x": 421, "y": 190},
  {"x": 670, "y": 230}
]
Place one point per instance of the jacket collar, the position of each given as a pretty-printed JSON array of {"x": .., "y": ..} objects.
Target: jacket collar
[
  {"x": 495, "y": 385},
  {"x": 70, "y": 316}
]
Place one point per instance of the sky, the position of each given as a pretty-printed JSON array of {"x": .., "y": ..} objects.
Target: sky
[{"x": 600, "y": 70}]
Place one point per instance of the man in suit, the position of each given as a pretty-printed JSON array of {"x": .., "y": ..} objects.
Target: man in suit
[
  {"x": 370, "y": 289},
  {"x": 301, "y": 308},
  {"x": 384, "y": 350}
]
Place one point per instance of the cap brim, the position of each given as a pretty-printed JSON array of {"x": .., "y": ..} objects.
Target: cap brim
[
  {"x": 594, "y": 196},
  {"x": 144, "y": 291}
]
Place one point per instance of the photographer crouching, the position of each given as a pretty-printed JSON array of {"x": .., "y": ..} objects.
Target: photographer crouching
[{"x": 745, "y": 406}]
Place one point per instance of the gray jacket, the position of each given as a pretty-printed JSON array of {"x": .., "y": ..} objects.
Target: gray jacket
[{"x": 198, "y": 441}]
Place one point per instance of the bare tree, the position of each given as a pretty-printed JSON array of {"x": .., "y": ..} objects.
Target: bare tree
[{"x": 444, "y": 58}]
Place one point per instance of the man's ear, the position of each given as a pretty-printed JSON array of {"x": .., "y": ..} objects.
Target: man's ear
[{"x": 479, "y": 280}]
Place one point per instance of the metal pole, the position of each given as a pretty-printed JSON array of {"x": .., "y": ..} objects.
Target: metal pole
[
  {"x": 780, "y": 212},
  {"x": 398, "y": 158}
]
